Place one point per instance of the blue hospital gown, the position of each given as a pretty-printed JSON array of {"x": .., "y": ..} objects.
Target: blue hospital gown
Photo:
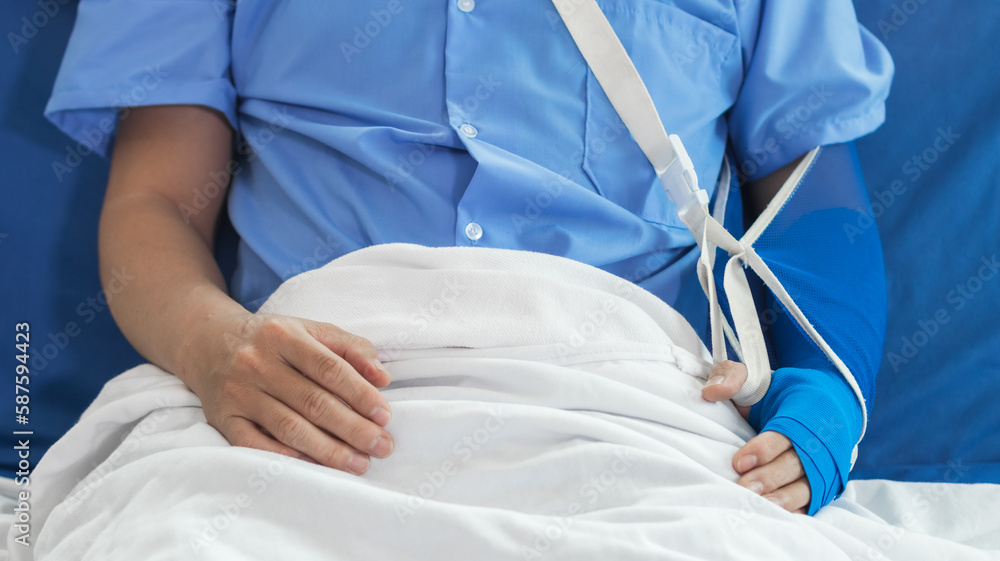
[{"x": 460, "y": 122}]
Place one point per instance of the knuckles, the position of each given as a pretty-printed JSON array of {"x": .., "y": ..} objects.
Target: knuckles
[
  {"x": 351, "y": 433},
  {"x": 359, "y": 343},
  {"x": 336, "y": 457},
  {"x": 251, "y": 353},
  {"x": 351, "y": 342},
  {"x": 316, "y": 404},
  {"x": 274, "y": 331},
  {"x": 242, "y": 440},
  {"x": 248, "y": 358},
  {"x": 329, "y": 367},
  {"x": 289, "y": 429}
]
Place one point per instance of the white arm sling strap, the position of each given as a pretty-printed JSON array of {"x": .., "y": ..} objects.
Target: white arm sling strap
[{"x": 621, "y": 82}]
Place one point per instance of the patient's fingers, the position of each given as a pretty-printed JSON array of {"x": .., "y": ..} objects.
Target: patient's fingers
[
  {"x": 359, "y": 352},
  {"x": 241, "y": 432},
  {"x": 726, "y": 379},
  {"x": 294, "y": 431},
  {"x": 337, "y": 376},
  {"x": 760, "y": 450},
  {"x": 793, "y": 497},
  {"x": 771, "y": 467},
  {"x": 774, "y": 475},
  {"x": 276, "y": 387},
  {"x": 327, "y": 412}
]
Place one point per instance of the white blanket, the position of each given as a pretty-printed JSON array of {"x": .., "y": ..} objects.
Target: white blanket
[{"x": 542, "y": 409}]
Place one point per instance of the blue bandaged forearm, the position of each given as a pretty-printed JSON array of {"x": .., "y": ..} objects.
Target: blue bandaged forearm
[
  {"x": 813, "y": 405},
  {"x": 834, "y": 274}
]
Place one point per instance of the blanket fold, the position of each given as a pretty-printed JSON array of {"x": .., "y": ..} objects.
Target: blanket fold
[{"x": 542, "y": 409}]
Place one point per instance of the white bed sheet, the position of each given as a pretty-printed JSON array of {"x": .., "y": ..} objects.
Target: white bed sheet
[{"x": 542, "y": 410}]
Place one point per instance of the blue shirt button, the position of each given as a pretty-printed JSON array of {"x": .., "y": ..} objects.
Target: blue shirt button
[{"x": 473, "y": 231}]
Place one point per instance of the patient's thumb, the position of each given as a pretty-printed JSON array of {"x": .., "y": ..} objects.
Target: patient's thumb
[{"x": 726, "y": 378}]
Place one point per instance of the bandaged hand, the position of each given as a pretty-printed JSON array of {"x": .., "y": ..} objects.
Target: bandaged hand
[
  {"x": 292, "y": 386},
  {"x": 809, "y": 421},
  {"x": 768, "y": 464}
]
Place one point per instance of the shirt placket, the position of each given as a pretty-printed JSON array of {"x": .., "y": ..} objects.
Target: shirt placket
[{"x": 468, "y": 114}]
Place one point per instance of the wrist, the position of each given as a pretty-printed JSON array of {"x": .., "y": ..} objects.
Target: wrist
[{"x": 209, "y": 321}]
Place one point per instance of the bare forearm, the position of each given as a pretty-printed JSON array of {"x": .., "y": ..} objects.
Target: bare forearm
[
  {"x": 173, "y": 282},
  {"x": 301, "y": 388},
  {"x": 162, "y": 154}
]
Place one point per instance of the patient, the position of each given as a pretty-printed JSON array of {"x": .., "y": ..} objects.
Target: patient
[{"x": 455, "y": 123}]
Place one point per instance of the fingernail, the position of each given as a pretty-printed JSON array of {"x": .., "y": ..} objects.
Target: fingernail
[
  {"x": 358, "y": 464},
  {"x": 381, "y": 416},
  {"x": 715, "y": 381},
  {"x": 746, "y": 463},
  {"x": 378, "y": 364},
  {"x": 381, "y": 447},
  {"x": 756, "y": 487},
  {"x": 775, "y": 499}
]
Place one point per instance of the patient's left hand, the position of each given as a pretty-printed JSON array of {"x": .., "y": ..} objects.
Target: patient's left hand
[{"x": 767, "y": 464}]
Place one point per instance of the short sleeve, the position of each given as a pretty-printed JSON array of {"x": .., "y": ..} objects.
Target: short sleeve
[
  {"x": 130, "y": 53},
  {"x": 813, "y": 76}
]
